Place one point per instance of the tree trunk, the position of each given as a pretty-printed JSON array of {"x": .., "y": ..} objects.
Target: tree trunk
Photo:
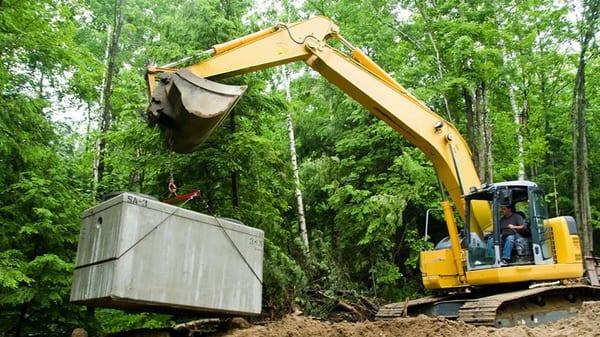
[
  {"x": 22, "y": 317},
  {"x": 440, "y": 69},
  {"x": 581, "y": 197},
  {"x": 298, "y": 192},
  {"x": 107, "y": 89},
  {"x": 513, "y": 105},
  {"x": 96, "y": 162},
  {"x": 519, "y": 127},
  {"x": 575, "y": 165},
  {"x": 555, "y": 189},
  {"x": 41, "y": 89},
  {"x": 581, "y": 187},
  {"x": 479, "y": 132},
  {"x": 479, "y": 135},
  {"x": 487, "y": 134},
  {"x": 438, "y": 62},
  {"x": 470, "y": 119},
  {"x": 235, "y": 174},
  {"x": 545, "y": 99}
]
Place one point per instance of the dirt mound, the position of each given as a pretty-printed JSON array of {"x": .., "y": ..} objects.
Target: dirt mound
[{"x": 584, "y": 324}]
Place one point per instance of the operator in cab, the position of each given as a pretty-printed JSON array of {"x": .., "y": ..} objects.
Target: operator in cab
[{"x": 510, "y": 224}]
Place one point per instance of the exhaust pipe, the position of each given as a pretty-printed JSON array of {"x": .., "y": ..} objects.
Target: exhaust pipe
[{"x": 188, "y": 108}]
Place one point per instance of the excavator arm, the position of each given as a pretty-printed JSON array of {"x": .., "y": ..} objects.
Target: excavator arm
[{"x": 176, "y": 97}]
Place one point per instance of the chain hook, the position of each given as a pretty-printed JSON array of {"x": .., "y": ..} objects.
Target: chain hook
[{"x": 172, "y": 186}]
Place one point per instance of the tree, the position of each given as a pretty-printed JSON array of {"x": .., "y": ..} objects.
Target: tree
[
  {"x": 498, "y": 71},
  {"x": 587, "y": 29},
  {"x": 41, "y": 199},
  {"x": 107, "y": 85}
]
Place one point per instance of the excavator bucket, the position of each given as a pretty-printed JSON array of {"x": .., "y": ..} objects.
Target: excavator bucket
[{"x": 188, "y": 108}]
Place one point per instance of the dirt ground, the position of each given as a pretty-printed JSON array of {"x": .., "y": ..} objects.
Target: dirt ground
[{"x": 585, "y": 323}]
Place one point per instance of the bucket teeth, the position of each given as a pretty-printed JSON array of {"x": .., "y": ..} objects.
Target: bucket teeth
[{"x": 188, "y": 108}]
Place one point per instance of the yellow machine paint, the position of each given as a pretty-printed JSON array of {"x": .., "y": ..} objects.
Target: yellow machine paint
[
  {"x": 566, "y": 245},
  {"x": 525, "y": 273},
  {"x": 439, "y": 269}
]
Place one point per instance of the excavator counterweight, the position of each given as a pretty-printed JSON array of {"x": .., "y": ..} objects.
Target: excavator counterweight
[{"x": 188, "y": 108}]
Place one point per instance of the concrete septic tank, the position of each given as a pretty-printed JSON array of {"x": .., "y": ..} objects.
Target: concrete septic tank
[{"x": 138, "y": 253}]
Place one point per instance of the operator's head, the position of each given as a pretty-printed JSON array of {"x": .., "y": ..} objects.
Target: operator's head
[{"x": 506, "y": 209}]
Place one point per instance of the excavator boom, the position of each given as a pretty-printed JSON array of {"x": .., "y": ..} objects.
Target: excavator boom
[{"x": 185, "y": 126}]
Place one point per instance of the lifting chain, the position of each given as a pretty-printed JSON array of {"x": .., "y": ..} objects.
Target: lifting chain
[{"x": 171, "y": 187}]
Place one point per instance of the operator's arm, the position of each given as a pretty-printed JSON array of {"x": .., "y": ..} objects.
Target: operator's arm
[
  {"x": 517, "y": 223},
  {"x": 517, "y": 227}
]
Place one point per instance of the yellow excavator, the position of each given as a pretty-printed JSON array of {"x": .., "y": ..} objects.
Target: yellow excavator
[{"x": 466, "y": 272}]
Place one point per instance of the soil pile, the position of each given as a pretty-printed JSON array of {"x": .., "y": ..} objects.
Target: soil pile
[{"x": 585, "y": 323}]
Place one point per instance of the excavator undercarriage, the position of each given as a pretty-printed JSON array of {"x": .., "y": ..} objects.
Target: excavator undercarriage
[{"x": 483, "y": 307}]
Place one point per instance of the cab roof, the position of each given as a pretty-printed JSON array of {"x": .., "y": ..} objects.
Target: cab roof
[{"x": 486, "y": 191}]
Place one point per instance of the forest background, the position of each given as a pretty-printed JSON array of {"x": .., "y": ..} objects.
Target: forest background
[{"x": 520, "y": 79}]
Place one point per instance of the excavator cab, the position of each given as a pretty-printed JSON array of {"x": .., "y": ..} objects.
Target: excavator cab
[
  {"x": 531, "y": 246},
  {"x": 549, "y": 250}
]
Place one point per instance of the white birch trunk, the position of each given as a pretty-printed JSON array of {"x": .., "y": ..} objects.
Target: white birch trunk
[
  {"x": 514, "y": 106},
  {"x": 298, "y": 191},
  {"x": 517, "y": 121}
]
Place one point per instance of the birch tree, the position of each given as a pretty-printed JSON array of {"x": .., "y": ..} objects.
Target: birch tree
[
  {"x": 507, "y": 59},
  {"x": 294, "y": 159}
]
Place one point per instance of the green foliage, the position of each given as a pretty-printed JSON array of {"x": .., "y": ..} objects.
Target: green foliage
[
  {"x": 41, "y": 199},
  {"x": 366, "y": 189},
  {"x": 11, "y": 271},
  {"x": 285, "y": 282},
  {"x": 113, "y": 321}
]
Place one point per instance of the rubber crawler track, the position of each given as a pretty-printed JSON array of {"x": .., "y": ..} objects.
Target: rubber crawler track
[{"x": 482, "y": 311}]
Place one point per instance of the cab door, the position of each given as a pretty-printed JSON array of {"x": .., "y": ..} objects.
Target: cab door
[{"x": 541, "y": 235}]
